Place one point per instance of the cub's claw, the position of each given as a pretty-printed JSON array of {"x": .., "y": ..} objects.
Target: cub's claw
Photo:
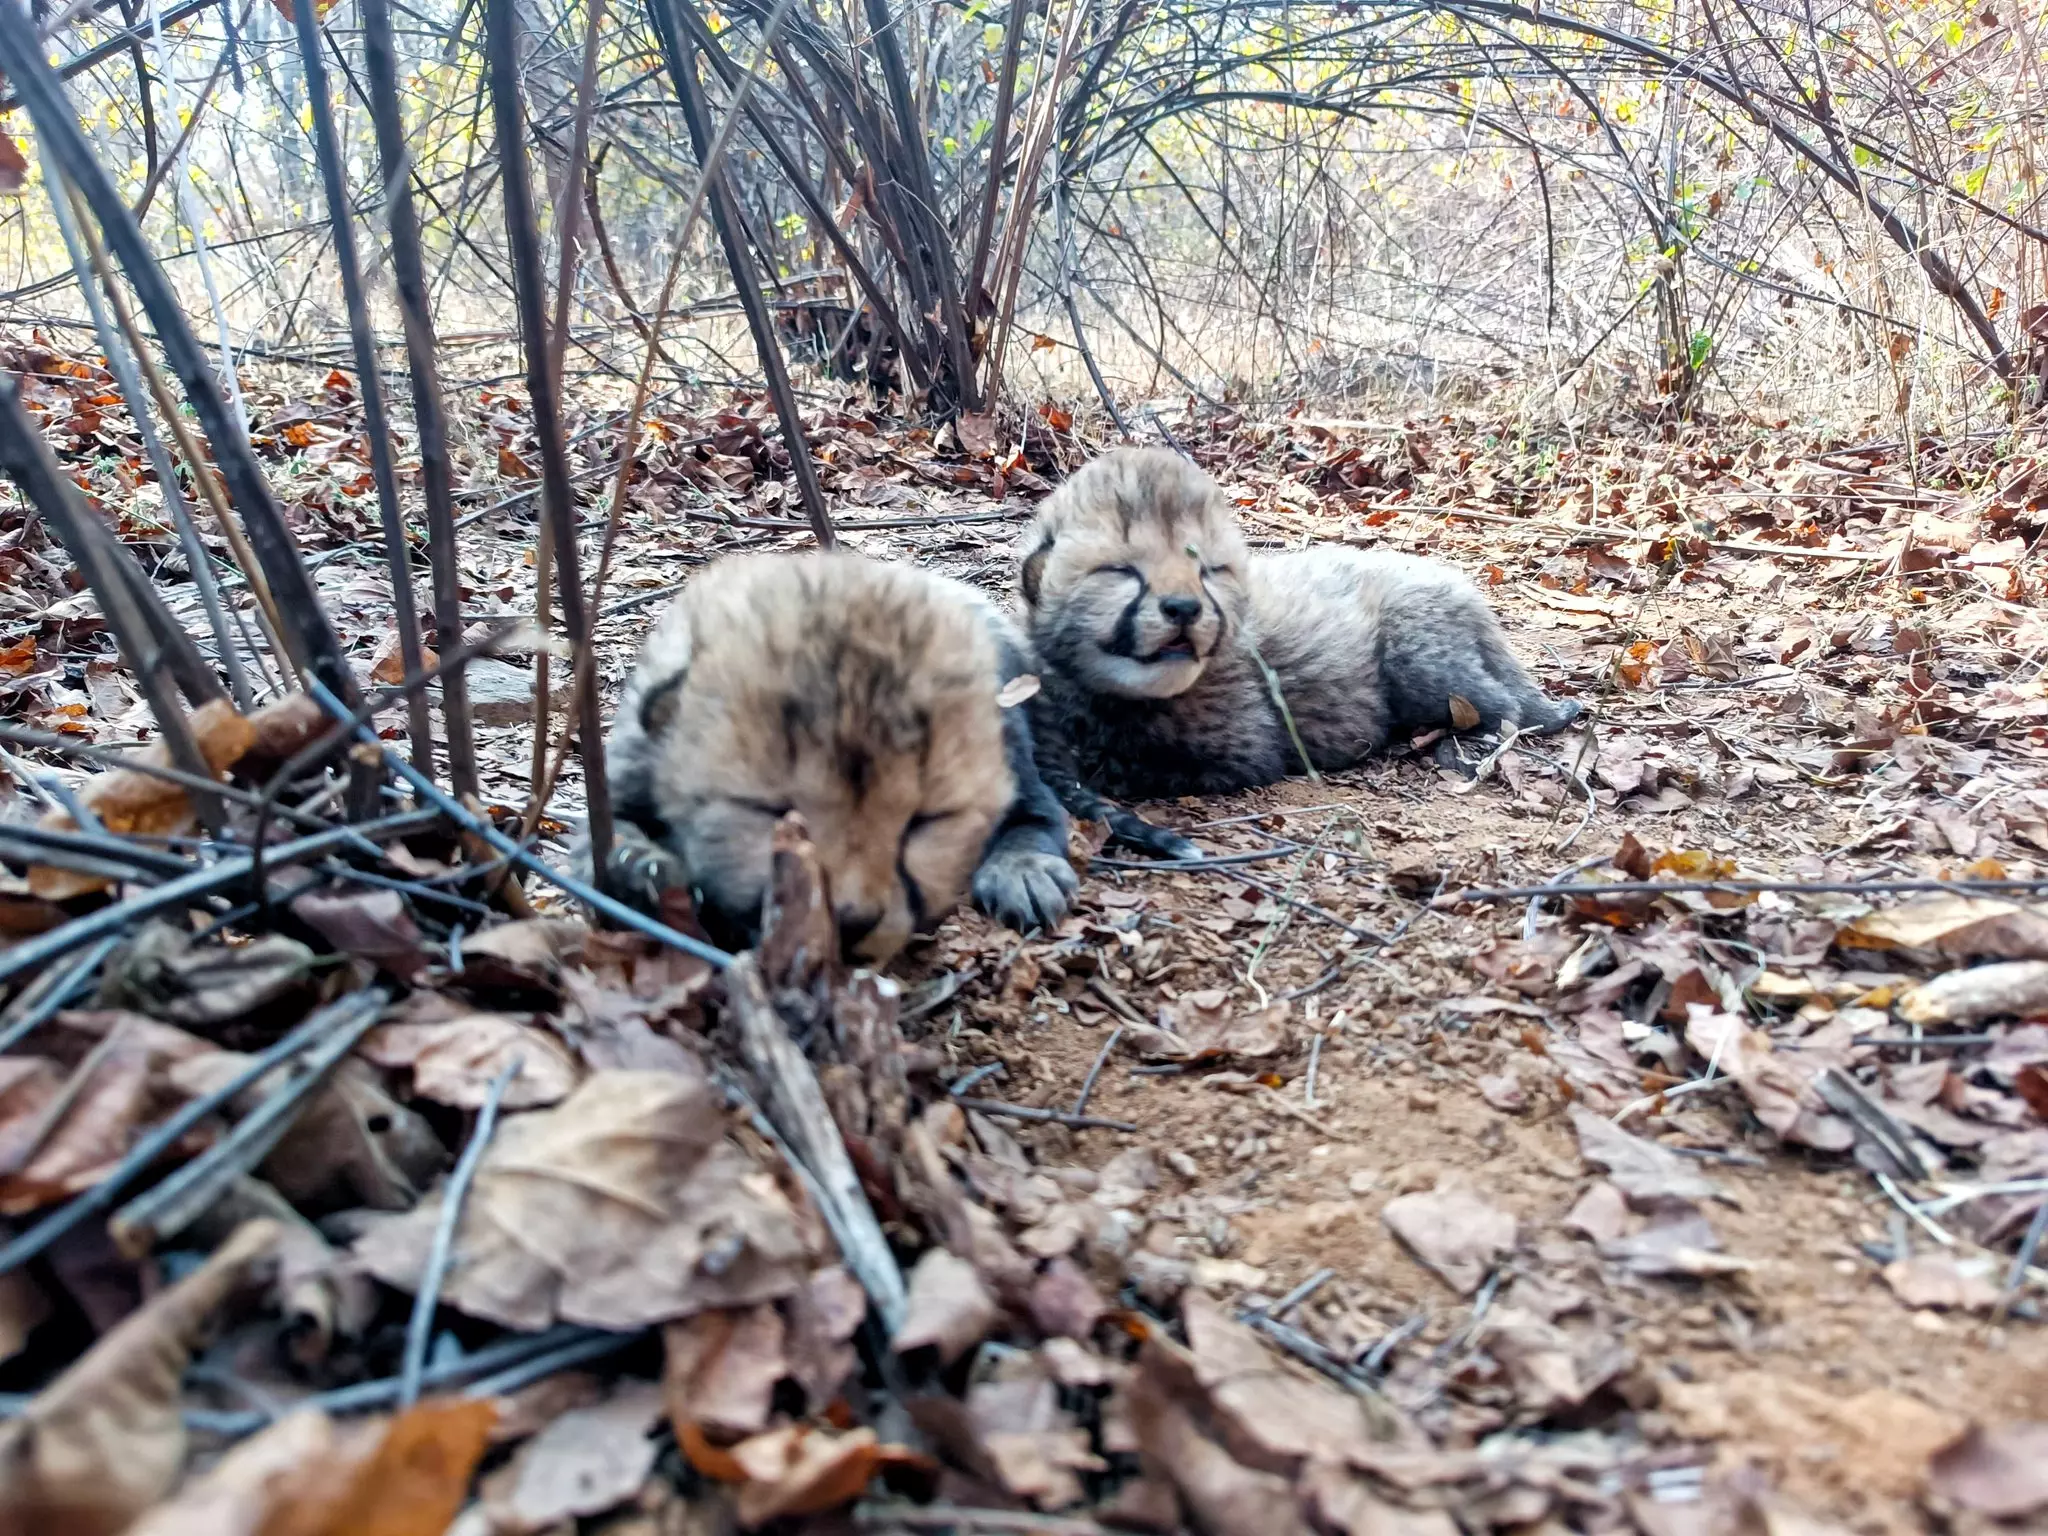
[
  {"x": 1134, "y": 831},
  {"x": 638, "y": 870},
  {"x": 1025, "y": 888}
]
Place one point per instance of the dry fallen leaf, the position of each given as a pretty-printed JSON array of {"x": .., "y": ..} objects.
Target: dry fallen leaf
[
  {"x": 1649, "y": 1174},
  {"x": 106, "y": 1440},
  {"x": 1222, "y": 1495},
  {"x": 162, "y": 972},
  {"x": 1208, "y": 1024},
  {"x": 1272, "y": 1413},
  {"x": 128, "y": 802},
  {"x": 1943, "y": 1280},
  {"x": 622, "y": 1206},
  {"x": 238, "y": 1495},
  {"x": 1551, "y": 1369},
  {"x": 1778, "y": 1084},
  {"x": 587, "y": 1461},
  {"x": 1453, "y": 1231},
  {"x": 371, "y": 925},
  {"x": 1954, "y": 925},
  {"x": 404, "y": 1478},
  {"x": 2000, "y": 1471},
  {"x": 455, "y": 1055},
  {"x": 949, "y": 1308},
  {"x": 720, "y": 1369},
  {"x": 68, "y": 1141},
  {"x": 1031, "y": 1445},
  {"x": 799, "y": 1470}
]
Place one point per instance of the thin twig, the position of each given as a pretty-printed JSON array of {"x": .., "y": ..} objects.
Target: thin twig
[
  {"x": 169, "y": 1207},
  {"x": 40, "y": 1001},
  {"x": 1734, "y": 888},
  {"x": 1053, "y": 1116},
  {"x": 1088, "y": 1082},
  {"x": 478, "y": 826},
  {"x": 419, "y": 1328},
  {"x": 44, "y": 947},
  {"x": 143, "y": 1155}
]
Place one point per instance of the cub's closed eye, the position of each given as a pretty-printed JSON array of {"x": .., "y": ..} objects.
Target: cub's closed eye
[
  {"x": 1219, "y": 570},
  {"x": 775, "y": 808},
  {"x": 1118, "y": 570},
  {"x": 925, "y": 819}
]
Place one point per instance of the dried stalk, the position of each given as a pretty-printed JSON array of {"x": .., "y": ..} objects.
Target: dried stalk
[
  {"x": 369, "y": 380},
  {"x": 558, "y": 504},
  {"x": 429, "y": 419}
]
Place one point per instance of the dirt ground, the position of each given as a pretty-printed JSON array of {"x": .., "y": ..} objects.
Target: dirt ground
[
  {"x": 1803, "y": 659},
  {"x": 1861, "y": 711}
]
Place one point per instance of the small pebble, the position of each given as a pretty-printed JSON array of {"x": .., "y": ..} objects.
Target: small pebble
[
  {"x": 1183, "y": 1165},
  {"x": 1421, "y": 1098}
]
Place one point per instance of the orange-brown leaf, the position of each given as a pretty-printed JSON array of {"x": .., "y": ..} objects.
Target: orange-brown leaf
[
  {"x": 411, "y": 1485},
  {"x": 13, "y": 167}
]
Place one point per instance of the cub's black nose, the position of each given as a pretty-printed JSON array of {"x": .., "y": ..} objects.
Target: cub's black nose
[
  {"x": 1181, "y": 610},
  {"x": 855, "y": 926}
]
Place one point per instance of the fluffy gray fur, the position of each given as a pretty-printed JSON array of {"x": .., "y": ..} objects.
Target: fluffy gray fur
[
  {"x": 773, "y": 671},
  {"x": 1151, "y": 615}
]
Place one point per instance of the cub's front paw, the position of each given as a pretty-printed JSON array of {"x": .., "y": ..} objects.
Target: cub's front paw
[
  {"x": 639, "y": 871},
  {"x": 1134, "y": 831},
  {"x": 1025, "y": 888}
]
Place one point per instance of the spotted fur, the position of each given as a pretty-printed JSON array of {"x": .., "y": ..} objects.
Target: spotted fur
[
  {"x": 863, "y": 695},
  {"x": 1152, "y": 616}
]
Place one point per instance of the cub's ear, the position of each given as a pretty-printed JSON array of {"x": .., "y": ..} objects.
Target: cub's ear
[
  {"x": 659, "y": 705},
  {"x": 1034, "y": 570}
]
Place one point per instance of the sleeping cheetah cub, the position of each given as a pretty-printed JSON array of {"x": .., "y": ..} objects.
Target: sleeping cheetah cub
[
  {"x": 1151, "y": 616},
  {"x": 862, "y": 694}
]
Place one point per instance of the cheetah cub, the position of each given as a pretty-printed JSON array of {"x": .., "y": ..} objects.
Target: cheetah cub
[
  {"x": 865, "y": 696},
  {"x": 1152, "y": 616}
]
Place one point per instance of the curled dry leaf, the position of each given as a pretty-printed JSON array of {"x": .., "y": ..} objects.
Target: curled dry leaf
[
  {"x": 404, "y": 1477},
  {"x": 1679, "y": 1244},
  {"x": 2000, "y": 1471},
  {"x": 1954, "y": 925},
  {"x": 237, "y": 1494},
  {"x": 587, "y": 1461},
  {"x": 823, "y": 1318},
  {"x": 454, "y": 1056},
  {"x": 1648, "y": 1174},
  {"x": 128, "y": 802},
  {"x": 949, "y": 1308},
  {"x": 1346, "y": 1503},
  {"x": 351, "y": 1145},
  {"x": 1778, "y": 1085},
  {"x": 2018, "y": 987},
  {"x": 1271, "y": 1413},
  {"x": 64, "y": 1138},
  {"x": 1222, "y": 1496},
  {"x": 622, "y": 1206},
  {"x": 106, "y": 1440},
  {"x": 799, "y": 1470},
  {"x": 371, "y": 925},
  {"x": 1551, "y": 1369},
  {"x": 1453, "y": 1231},
  {"x": 1032, "y": 1446},
  {"x": 163, "y": 973},
  {"x": 720, "y": 1369},
  {"x": 1944, "y": 1280},
  {"x": 1201, "y": 1025}
]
